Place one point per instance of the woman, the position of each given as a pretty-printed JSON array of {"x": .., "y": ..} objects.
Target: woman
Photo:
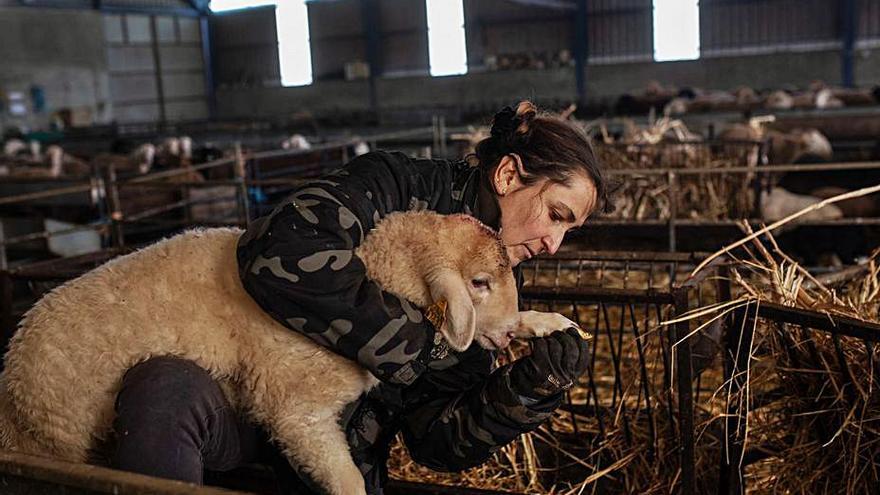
[{"x": 533, "y": 179}]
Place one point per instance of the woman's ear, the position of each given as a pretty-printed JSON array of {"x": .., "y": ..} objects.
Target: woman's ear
[{"x": 506, "y": 178}]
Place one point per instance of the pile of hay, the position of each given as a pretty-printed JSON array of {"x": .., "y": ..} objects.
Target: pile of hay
[
  {"x": 605, "y": 437},
  {"x": 811, "y": 403},
  {"x": 668, "y": 144}
]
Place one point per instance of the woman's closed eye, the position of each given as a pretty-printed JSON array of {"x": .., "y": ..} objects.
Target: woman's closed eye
[{"x": 557, "y": 217}]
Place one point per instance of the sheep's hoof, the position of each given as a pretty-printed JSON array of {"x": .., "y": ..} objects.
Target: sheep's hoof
[
  {"x": 350, "y": 484},
  {"x": 538, "y": 324}
]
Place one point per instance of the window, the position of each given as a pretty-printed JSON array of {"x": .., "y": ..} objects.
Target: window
[
  {"x": 292, "y": 21},
  {"x": 676, "y": 30},
  {"x": 446, "y": 43}
]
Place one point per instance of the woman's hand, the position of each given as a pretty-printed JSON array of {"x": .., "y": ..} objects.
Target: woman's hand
[{"x": 555, "y": 364}]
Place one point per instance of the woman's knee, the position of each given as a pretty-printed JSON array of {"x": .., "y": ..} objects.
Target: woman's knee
[
  {"x": 171, "y": 405},
  {"x": 166, "y": 388}
]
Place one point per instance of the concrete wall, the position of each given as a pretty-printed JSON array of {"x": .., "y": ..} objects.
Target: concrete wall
[
  {"x": 156, "y": 68},
  {"x": 604, "y": 81},
  {"x": 60, "y": 51},
  {"x": 403, "y": 37},
  {"x": 339, "y": 36},
  {"x": 245, "y": 48},
  {"x": 735, "y": 27},
  {"x": 867, "y": 70},
  {"x": 101, "y": 67},
  {"x": 763, "y": 44},
  {"x": 758, "y": 71}
]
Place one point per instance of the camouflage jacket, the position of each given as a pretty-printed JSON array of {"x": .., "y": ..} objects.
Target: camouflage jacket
[{"x": 298, "y": 265}]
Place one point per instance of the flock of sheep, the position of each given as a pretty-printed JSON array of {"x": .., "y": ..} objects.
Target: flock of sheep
[
  {"x": 29, "y": 160},
  {"x": 679, "y": 101}
]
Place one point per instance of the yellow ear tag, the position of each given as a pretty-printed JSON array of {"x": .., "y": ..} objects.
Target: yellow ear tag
[{"x": 436, "y": 313}]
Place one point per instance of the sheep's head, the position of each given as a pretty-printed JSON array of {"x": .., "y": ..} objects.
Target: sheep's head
[
  {"x": 55, "y": 156},
  {"x": 457, "y": 270},
  {"x": 296, "y": 142},
  {"x": 814, "y": 143},
  {"x": 13, "y": 147},
  {"x": 361, "y": 148},
  {"x": 186, "y": 147},
  {"x": 480, "y": 292},
  {"x": 144, "y": 156},
  {"x": 170, "y": 147},
  {"x": 779, "y": 100}
]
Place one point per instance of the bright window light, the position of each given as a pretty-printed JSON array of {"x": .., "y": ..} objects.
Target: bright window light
[
  {"x": 446, "y": 46},
  {"x": 292, "y": 23},
  {"x": 676, "y": 30},
  {"x": 294, "y": 52}
]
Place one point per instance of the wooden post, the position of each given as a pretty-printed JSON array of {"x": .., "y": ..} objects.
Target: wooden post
[{"x": 114, "y": 209}]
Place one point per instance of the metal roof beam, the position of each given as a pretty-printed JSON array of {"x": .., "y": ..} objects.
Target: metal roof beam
[
  {"x": 548, "y": 4},
  {"x": 190, "y": 11}
]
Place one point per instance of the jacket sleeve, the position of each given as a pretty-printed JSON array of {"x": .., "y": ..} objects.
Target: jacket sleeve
[
  {"x": 299, "y": 265},
  {"x": 466, "y": 414}
]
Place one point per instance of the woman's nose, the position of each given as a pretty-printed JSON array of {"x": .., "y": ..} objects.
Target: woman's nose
[{"x": 552, "y": 242}]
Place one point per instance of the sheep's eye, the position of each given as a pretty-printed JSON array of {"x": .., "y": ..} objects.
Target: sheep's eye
[{"x": 480, "y": 283}]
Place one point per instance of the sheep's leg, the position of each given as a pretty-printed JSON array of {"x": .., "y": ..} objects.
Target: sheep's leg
[
  {"x": 319, "y": 450},
  {"x": 298, "y": 395},
  {"x": 9, "y": 435},
  {"x": 538, "y": 324}
]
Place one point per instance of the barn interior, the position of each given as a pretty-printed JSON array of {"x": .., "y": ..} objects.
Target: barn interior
[{"x": 732, "y": 292}]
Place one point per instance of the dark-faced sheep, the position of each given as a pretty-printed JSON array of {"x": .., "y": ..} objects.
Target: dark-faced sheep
[{"x": 66, "y": 362}]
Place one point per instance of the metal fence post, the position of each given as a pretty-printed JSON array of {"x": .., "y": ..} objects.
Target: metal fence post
[
  {"x": 117, "y": 235},
  {"x": 673, "y": 208},
  {"x": 736, "y": 361},
  {"x": 682, "y": 349},
  {"x": 442, "y": 136},
  {"x": 240, "y": 171},
  {"x": 435, "y": 136}
]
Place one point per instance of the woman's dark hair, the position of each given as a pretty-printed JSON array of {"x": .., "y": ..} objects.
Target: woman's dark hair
[{"x": 550, "y": 148}]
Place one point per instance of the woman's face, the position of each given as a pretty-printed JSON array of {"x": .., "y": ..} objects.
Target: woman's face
[{"x": 535, "y": 218}]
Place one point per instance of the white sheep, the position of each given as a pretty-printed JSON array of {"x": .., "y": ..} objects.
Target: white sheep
[
  {"x": 361, "y": 148},
  {"x": 66, "y": 164},
  {"x": 13, "y": 147},
  {"x": 779, "y": 203},
  {"x": 66, "y": 362},
  {"x": 296, "y": 142},
  {"x": 140, "y": 160},
  {"x": 174, "y": 152},
  {"x": 51, "y": 165}
]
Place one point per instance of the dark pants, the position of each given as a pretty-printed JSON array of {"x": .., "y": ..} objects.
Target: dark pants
[{"x": 173, "y": 421}]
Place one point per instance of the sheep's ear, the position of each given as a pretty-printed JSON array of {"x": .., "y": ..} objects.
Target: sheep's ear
[{"x": 460, "y": 323}]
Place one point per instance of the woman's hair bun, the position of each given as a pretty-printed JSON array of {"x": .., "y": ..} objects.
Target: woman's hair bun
[
  {"x": 526, "y": 111},
  {"x": 504, "y": 124},
  {"x": 509, "y": 122}
]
